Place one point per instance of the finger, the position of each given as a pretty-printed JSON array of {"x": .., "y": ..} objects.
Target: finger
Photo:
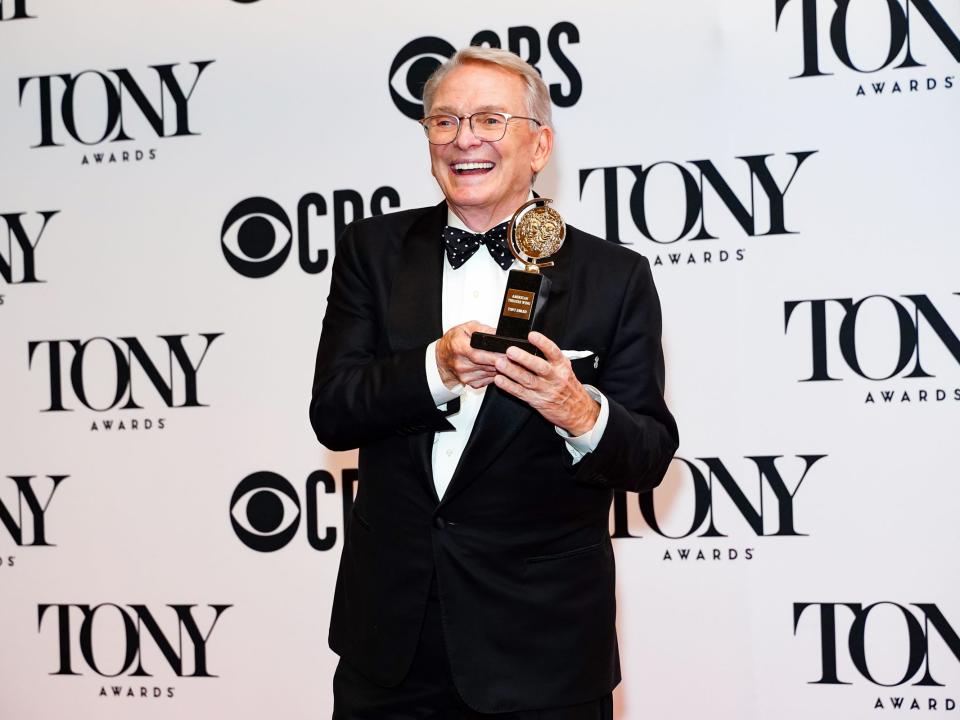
[
  {"x": 476, "y": 374},
  {"x": 547, "y": 346},
  {"x": 477, "y": 384},
  {"x": 483, "y": 358},
  {"x": 534, "y": 364},
  {"x": 473, "y": 326},
  {"x": 517, "y": 373},
  {"x": 468, "y": 371},
  {"x": 508, "y": 385}
]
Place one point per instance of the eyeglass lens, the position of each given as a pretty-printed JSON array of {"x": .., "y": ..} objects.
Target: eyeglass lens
[{"x": 487, "y": 126}]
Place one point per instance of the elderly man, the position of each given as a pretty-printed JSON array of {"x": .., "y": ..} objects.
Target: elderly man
[{"x": 477, "y": 575}]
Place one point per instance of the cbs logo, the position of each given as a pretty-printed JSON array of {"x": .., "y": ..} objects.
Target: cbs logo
[
  {"x": 256, "y": 235},
  {"x": 417, "y": 60},
  {"x": 265, "y": 510}
]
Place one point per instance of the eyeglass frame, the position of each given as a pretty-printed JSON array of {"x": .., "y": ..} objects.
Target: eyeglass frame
[{"x": 469, "y": 119}]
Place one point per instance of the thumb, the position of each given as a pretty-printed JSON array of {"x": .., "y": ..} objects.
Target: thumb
[{"x": 475, "y": 326}]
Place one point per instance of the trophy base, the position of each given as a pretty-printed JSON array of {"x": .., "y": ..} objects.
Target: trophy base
[{"x": 500, "y": 343}]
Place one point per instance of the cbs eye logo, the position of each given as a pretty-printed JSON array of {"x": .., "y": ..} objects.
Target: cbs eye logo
[
  {"x": 256, "y": 235},
  {"x": 265, "y": 511},
  {"x": 411, "y": 68},
  {"x": 417, "y": 60}
]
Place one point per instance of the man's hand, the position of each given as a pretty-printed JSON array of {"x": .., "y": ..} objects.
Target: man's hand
[
  {"x": 460, "y": 364},
  {"x": 547, "y": 385}
]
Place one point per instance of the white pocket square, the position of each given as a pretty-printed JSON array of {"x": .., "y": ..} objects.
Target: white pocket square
[{"x": 576, "y": 354}]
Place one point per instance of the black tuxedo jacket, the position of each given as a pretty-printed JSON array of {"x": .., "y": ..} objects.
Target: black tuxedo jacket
[{"x": 520, "y": 542}]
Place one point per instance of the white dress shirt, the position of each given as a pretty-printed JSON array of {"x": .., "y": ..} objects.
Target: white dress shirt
[{"x": 474, "y": 291}]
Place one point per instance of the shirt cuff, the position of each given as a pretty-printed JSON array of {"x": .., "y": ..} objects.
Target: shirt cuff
[
  {"x": 582, "y": 444},
  {"x": 441, "y": 395}
]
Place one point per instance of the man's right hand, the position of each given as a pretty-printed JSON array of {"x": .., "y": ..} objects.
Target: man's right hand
[{"x": 460, "y": 364}]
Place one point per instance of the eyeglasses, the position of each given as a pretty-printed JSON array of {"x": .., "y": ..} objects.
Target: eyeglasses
[{"x": 486, "y": 126}]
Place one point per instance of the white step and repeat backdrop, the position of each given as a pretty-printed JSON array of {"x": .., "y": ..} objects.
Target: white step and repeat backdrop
[{"x": 173, "y": 178}]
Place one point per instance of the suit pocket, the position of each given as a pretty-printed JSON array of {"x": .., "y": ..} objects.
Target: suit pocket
[
  {"x": 569, "y": 609},
  {"x": 573, "y": 552}
]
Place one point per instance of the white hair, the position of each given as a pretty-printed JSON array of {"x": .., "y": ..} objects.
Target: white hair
[{"x": 537, "y": 93}]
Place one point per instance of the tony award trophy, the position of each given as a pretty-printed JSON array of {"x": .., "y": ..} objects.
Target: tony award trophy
[{"x": 535, "y": 232}]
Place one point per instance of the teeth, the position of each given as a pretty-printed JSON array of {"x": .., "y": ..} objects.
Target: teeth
[{"x": 473, "y": 166}]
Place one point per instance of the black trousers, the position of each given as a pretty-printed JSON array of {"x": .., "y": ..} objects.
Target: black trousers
[{"x": 428, "y": 693}]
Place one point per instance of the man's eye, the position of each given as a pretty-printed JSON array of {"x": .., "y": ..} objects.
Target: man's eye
[
  {"x": 444, "y": 123},
  {"x": 492, "y": 121}
]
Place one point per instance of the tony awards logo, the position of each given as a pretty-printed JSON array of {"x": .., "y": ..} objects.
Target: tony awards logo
[{"x": 535, "y": 233}]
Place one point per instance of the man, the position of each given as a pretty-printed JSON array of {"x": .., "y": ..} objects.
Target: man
[{"x": 477, "y": 574}]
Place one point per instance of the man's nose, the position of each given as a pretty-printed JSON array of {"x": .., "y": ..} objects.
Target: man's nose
[{"x": 465, "y": 138}]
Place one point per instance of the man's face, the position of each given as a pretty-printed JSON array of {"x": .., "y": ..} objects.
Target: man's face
[{"x": 503, "y": 183}]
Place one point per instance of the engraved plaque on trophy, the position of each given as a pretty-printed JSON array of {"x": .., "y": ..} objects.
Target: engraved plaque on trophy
[{"x": 534, "y": 234}]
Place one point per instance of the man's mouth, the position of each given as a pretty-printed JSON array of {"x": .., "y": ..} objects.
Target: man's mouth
[{"x": 472, "y": 168}]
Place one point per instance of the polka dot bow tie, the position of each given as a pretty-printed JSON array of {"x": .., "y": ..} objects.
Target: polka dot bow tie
[{"x": 462, "y": 244}]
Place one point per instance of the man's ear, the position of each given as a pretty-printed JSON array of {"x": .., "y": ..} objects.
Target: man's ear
[{"x": 543, "y": 150}]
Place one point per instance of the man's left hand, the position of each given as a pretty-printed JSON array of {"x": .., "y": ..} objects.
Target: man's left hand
[{"x": 548, "y": 385}]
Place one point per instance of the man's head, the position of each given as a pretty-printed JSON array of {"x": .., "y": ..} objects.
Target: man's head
[{"x": 488, "y": 79}]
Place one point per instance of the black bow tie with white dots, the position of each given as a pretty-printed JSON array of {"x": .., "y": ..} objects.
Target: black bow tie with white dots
[{"x": 462, "y": 244}]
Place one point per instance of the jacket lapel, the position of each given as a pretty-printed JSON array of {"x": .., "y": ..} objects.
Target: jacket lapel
[
  {"x": 414, "y": 314},
  {"x": 552, "y": 321},
  {"x": 501, "y": 415}
]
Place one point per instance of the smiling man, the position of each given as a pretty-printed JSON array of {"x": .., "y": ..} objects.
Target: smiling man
[{"x": 477, "y": 574}]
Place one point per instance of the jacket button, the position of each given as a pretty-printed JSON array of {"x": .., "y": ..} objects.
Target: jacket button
[{"x": 439, "y": 523}]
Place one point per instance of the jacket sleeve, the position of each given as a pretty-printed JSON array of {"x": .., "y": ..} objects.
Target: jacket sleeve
[
  {"x": 359, "y": 396},
  {"x": 641, "y": 435}
]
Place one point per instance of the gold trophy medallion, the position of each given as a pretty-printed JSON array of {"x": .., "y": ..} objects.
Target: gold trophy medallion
[{"x": 536, "y": 231}]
